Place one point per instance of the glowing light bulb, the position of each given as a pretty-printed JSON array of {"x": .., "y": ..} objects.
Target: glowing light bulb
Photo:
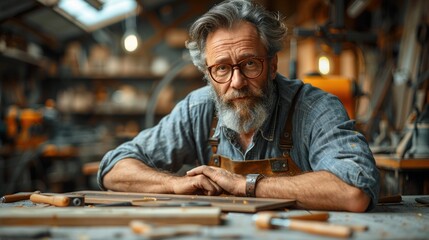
[
  {"x": 131, "y": 42},
  {"x": 324, "y": 65}
]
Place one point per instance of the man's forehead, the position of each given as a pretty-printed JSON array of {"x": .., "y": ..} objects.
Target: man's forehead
[
  {"x": 240, "y": 41},
  {"x": 239, "y": 28}
]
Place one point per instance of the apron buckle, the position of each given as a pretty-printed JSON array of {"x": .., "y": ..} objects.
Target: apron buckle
[{"x": 279, "y": 165}]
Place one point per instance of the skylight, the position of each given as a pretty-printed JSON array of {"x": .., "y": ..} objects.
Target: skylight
[{"x": 112, "y": 11}]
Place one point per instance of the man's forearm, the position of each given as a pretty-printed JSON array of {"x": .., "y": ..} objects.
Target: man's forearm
[
  {"x": 315, "y": 190},
  {"x": 131, "y": 175}
]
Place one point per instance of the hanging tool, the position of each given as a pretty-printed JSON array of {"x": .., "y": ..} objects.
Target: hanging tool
[
  {"x": 269, "y": 220},
  {"x": 58, "y": 200},
  {"x": 334, "y": 31}
]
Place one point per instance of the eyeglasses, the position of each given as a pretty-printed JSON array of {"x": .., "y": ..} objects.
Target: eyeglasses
[{"x": 250, "y": 68}]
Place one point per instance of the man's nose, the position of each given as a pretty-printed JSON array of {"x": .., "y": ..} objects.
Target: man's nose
[{"x": 238, "y": 80}]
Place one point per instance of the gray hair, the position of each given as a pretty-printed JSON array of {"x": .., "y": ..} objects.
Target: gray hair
[{"x": 270, "y": 27}]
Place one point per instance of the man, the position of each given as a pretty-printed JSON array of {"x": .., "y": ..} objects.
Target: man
[{"x": 316, "y": 157}]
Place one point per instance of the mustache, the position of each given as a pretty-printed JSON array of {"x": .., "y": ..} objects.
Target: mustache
[{"x": 241, "y": 93}]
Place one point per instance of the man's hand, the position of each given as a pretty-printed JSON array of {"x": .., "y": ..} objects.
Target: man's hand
[
  {"x": 234, "y": 184},
  {"x": 198, "y": 184},
  {"x": 319, "y": 190}
]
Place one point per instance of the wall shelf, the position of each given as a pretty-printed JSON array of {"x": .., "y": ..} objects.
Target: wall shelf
[{"x": 21, "y": 56}]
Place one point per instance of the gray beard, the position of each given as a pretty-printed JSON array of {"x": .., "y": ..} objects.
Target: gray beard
[{"x": 256, "y": 113}]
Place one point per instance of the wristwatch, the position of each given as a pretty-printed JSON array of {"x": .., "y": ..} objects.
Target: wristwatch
[{"x": 251, "y": 181}]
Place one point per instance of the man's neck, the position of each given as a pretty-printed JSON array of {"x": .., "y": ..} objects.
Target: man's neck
[{"x": 246, "y": 139}]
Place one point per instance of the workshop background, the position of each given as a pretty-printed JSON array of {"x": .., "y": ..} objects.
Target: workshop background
[{"x": 79, "y": 77}]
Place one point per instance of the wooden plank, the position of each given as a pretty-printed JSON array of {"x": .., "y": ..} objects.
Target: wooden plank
[
  {"x": 225, "y": 203},
  {"x": 108, "y": 216}
]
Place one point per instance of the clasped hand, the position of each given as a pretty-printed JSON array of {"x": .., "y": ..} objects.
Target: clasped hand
[{"x": 211, "y": 181}]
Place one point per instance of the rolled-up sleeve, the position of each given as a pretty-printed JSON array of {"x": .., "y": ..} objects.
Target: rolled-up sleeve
[{"x": 335, "y": 145}]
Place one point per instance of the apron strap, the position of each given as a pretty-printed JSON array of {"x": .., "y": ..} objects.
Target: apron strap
[
  {"x": 286, "y": 142},
  {"x": 214, "y": 141}
]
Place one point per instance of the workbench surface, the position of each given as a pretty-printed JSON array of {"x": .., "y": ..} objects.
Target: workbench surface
[{"x": 407, "y": 220}]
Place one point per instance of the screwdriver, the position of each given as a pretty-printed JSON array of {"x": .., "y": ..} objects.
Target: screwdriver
[{"x": 268, "y": 220}]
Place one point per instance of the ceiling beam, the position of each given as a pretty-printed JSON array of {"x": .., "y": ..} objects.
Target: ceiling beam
[
  {"x": 18, "y": 10},
  {"x": 197, "y": 7},
  {"x": 45, "y": 39}
]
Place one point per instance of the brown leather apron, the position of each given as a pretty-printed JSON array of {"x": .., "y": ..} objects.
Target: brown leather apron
[{"x": 279, "y": 166}]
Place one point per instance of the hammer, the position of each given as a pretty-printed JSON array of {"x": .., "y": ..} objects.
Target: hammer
[
  {"x": 58, "y": 200},
  {"x": 269, "y": 220}
]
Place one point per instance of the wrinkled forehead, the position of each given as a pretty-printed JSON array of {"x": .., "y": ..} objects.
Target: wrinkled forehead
[{"x": 240, "y": 39}]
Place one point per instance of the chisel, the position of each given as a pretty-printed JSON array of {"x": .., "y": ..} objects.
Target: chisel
[
  {"x": 58, "y": 200},
  {"x": 17, "y": 197}
]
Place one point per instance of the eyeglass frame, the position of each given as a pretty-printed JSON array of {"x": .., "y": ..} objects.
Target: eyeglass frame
[{"x": 237, "y": 65}]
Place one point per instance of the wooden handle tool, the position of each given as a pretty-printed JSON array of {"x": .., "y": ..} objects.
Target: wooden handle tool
[
  {"x": 320, "y": 216},
  {"x": 58, "y": 200},
  {"x": 390, "y": 199},
  {"x": 267, "y": 221},
  {"x": 16, "y": 197},
  {"x": 324, "y": 216},
  {"x": 153, "y": 232}
]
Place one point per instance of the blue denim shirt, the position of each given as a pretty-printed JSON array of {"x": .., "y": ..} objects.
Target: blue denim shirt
[{"x": 324, "y": 137}]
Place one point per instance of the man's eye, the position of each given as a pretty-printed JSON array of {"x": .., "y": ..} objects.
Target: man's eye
[
  {"x": 222, "y": 68},
  {"x": 250, "y": 63}
]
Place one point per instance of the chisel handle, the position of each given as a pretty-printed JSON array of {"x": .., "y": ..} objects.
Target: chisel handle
[
  {"x": 320, "y": 228},
  {"x": 324, "y": 216},
  {"x": 17, "y": 197},
  {"x": 390, "y": 199},
  {"x": 59, "y": 201}
]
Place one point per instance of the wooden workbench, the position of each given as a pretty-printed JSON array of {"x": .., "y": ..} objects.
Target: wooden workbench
[
  {"x": 404, "y": 176},
  {"x": 408, "y": 220}
]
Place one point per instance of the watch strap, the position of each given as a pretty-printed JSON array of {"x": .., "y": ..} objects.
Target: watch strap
[{"x": 251, "y": 181}]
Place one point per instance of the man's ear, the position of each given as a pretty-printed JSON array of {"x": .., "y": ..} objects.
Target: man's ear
[{"x": 273, "y": 66}]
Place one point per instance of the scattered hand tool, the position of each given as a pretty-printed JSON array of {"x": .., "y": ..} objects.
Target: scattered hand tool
[
  {"x": 17, "y": 197},
  {"x": 115, "y": 204},
  {"x": 323, "y": 216},
  {"x": 58, "y": 200},
  {"x": 390, "y": 199},
  {"x": 423, "y": 200},
  {"x": 153, "y": 232},
  {"x": 269, "y": 220}
]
